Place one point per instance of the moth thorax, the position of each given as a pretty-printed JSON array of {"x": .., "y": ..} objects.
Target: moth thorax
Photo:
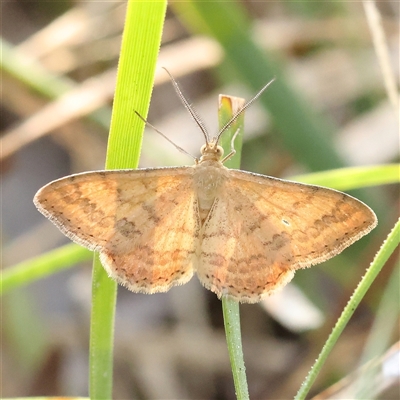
[{"x": 209, "y": 177}]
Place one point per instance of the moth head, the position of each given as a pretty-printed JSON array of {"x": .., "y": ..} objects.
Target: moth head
[{"x": 211, "y": 151}]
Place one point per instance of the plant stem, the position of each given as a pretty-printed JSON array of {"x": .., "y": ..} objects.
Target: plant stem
[
  {"x": 139, "y": 50},
  {"x": 377, "y": 264},
  {"x": 227, "y": 107}
]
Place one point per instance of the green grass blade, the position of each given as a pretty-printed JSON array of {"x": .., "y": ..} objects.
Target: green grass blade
[
  {"x": 231, "y": 313},
  {"x": 353, "y": 177},
  {"x": 42, "y": 266},
  {"x": 140, "y": 45},
  {"x": 104, "y": 295},
  {"x": 384, "y": 329},
  {"x": 379, "y": 261}
]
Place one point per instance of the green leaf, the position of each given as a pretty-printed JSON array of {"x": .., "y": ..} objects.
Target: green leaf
[
  {"x": 231, "y": 312},
  {"x": 379, "y": 261},
  {"x": 140, "y": 46}
]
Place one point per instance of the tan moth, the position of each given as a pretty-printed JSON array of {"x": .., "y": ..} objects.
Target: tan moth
[{"x": 242, "y": 233}]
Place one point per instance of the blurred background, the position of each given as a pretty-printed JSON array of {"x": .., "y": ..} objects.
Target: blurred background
[{"x": 58, "y": 77}]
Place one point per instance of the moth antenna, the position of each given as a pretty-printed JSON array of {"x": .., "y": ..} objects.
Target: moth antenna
[
  {"x": 245, "y": 107},
  {"x": 165, "y": 137},
  {"x": 189, "y": 107}
]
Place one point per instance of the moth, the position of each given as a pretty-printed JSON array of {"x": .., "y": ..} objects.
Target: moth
[{"x": 242, "y": 233}]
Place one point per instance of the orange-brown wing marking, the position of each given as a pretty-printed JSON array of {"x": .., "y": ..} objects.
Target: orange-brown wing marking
[
  {"x": 144, "y": 223},
  {"x": 261, "y": 229}
]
